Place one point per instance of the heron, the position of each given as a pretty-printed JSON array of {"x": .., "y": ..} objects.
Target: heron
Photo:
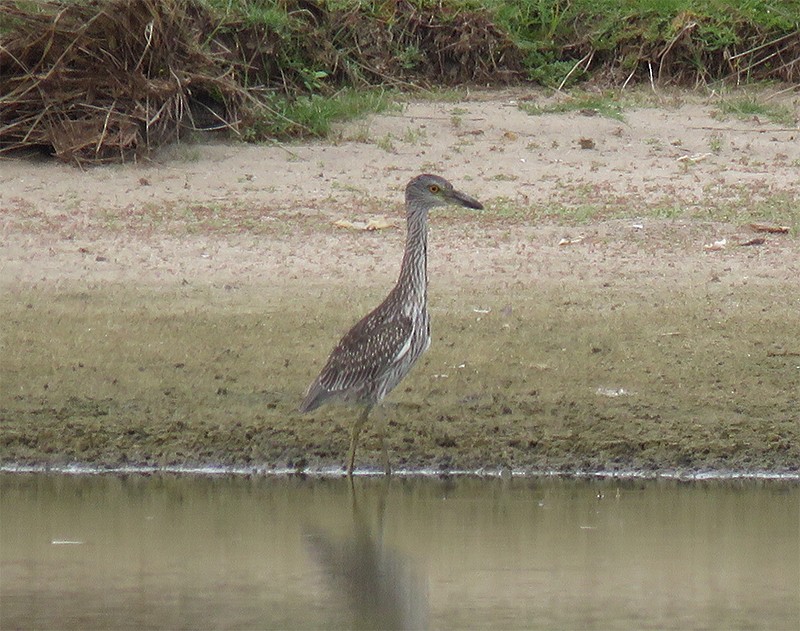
[{"x": 381, "y": 348}]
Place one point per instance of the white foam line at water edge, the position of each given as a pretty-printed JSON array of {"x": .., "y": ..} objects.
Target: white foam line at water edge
[{"x": 337, "y": 472}]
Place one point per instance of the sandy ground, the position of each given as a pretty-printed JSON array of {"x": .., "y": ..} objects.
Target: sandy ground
[{"x": 612, "y": 309}]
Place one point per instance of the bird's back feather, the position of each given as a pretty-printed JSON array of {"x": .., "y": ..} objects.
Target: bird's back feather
[
  {"x": 376, "y": 343},
  {"x": 375, "y": 355}
]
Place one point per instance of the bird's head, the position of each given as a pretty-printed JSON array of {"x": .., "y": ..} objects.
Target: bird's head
[{"x": 426, "y": 191}]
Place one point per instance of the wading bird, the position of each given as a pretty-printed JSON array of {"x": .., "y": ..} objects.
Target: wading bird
[{"x": 375, "y": 355}]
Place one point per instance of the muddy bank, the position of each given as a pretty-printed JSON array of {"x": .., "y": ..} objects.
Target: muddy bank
[
  {"x": 174, "y": 313},
  {"x": 567, "y": 365}
]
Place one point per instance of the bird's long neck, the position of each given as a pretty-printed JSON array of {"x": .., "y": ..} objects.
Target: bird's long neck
[{"x": 413, "y": 280}]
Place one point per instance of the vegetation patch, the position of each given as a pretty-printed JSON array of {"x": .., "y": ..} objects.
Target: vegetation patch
[
  {"x": 104, "y": 82},
  {"x": 607, "y": 105},
  {"x": 97, "y": 82},
  {"x": 687, "y": 42},
  {"x": 312, "y": 115},
  {"x": 748, "y": 107}
]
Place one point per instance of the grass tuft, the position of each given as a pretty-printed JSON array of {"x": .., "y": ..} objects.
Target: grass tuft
[
  {"x": 314, "y": 115},
  {"x": 606, "y": 104},
  {"x": 748, "y": 107}
]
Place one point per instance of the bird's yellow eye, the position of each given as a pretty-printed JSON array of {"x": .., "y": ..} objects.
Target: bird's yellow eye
[{"x": 434, "y": 188}]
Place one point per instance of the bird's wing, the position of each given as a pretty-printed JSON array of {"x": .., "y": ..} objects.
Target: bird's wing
[{"x": 370, "y": 347}]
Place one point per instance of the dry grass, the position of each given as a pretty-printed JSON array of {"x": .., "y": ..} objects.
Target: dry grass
[
  {"x": 109, "y": 84},
  {"x": 108, "y": 81}
]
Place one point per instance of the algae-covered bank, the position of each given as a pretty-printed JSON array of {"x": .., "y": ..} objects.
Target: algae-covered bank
[{"x": 614, "y": 308}]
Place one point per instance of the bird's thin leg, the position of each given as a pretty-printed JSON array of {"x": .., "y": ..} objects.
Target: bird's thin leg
[
  {"x": 351, "y": 455},
  {"x": 387, "y": 468},
  {"x": 381, "y": 424}
]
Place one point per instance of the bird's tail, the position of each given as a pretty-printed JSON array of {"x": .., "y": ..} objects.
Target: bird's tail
[{"x": 314, "y": 398}]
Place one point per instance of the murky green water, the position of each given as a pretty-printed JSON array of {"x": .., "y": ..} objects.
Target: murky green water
[{"x": 222, "y": 552}]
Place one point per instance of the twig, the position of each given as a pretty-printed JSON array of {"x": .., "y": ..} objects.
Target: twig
[
  {"x": 755, "y": 131},
  {"x": 148, "y": 36},
  {"x": 105, "y": 128},
  {"x": 589, "y": 56},
  {"x": 791, "y": 88},
  {"x": 630, "y": 76},
  {"x": 747, "y": 69},
  {"x": 765, "y": 45},
  {"x": 669, "y": 46}
]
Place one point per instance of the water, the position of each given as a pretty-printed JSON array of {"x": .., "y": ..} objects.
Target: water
[{"x": 183, "y": 552}]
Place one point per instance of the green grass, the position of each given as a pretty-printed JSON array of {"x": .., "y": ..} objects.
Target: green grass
[
  {"x": 781, "y": 209},
  {"x": 386, "y": 143},
  {"x": 737, "y": 207},
  {"x": 439, "y": 94},
  {"x": 559, "y": 43},
  {"x": 314, "y": 115},
  {"x": 749, "y": 106},
  {"x": 297, "y": 67},
  {"x": 698, "y": 34},
  {"x": 121, "y": 374},
  {"x": 606, "y": 104}
]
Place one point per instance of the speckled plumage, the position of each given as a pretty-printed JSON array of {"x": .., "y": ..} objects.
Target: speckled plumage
[{"x": 382, "y": 347}]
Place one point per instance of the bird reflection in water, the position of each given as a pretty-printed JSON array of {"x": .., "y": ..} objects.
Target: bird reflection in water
[{"x": 376, "y": 583}]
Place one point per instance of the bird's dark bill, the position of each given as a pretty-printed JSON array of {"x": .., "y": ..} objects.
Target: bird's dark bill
[{"x": 465, "y": 200}]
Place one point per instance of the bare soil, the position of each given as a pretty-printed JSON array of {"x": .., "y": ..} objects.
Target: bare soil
[{"x": 612, "y": 310}]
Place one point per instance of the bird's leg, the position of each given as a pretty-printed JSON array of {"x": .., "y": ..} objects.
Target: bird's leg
[
  {"x": 381, "y": 426},
  {"x": 351, "y": 455},
  {"x": 387, "y": 468}
]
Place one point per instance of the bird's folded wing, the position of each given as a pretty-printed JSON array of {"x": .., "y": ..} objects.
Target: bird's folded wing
[{"x": 370, "y": 348}]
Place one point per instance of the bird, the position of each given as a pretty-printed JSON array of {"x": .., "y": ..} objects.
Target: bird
[{"x": 381, "y": 348}]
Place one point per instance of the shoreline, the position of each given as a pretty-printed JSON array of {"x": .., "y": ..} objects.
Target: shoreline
[{"x": 339, "y": 473}]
